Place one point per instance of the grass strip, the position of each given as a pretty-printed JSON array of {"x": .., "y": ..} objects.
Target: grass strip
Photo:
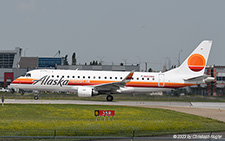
[{"x": 79, "y": 120}]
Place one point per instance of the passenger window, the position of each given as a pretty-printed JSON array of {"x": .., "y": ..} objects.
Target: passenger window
[
  {"x": 89, "y": 77},
  {"x": 57, "y": 76},
  {"x": 78, "y": 76},
  {"x": 99, "y": 77},
  {"x": 52, "y": 76},
  {"x": 143, "y": 78},
  {"x": 110, "y": 77},
  {"x": 84, "y": 77},
  {"x": 115, "y": 77},
  {"x": 147, "y": 78},
  {"x": 137, "y": 78},
  {"x": 121, "y": 78},
  {"x": 105, "y": 77},
  {"x": 68, "y": 76},
  {"x": 93, "y": 77},
  {"x": 73, "y": 76}
]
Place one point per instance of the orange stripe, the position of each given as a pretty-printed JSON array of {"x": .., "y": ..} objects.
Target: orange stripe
[{"x": 98, "y": 82}]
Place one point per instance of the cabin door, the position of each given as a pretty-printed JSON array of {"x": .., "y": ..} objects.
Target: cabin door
[{"x": 161, "y": 79}]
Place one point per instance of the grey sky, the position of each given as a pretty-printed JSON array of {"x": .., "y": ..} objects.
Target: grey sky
[{"x": 114, "y": 30}]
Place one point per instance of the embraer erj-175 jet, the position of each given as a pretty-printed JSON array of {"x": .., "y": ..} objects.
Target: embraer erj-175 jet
[{"x": 92, "y": 83}]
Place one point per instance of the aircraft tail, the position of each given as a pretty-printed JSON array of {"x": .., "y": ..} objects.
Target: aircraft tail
[{"x": 196, "y": 62}]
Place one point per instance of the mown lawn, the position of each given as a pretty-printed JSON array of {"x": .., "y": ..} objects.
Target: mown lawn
[{"x": 79, "y": 120}]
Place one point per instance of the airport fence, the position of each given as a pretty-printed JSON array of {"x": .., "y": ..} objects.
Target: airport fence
[{"x": 60, "y": 135}]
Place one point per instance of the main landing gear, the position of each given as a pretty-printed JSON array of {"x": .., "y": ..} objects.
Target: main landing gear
[
  {"x": 109, "y": 98},
  {"x": 36, "y": 97}
]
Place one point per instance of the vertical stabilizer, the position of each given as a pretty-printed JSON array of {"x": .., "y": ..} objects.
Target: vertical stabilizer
[{"x": 196, "y": 62}]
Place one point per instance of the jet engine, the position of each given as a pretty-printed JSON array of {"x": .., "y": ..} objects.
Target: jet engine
[{"x": 86, "y": 92}]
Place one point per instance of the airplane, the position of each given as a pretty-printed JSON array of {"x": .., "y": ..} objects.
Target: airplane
[{"x": 91, "y": 83}]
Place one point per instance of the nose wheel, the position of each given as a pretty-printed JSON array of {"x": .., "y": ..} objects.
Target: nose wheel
[{"x": 109, "y": 98}]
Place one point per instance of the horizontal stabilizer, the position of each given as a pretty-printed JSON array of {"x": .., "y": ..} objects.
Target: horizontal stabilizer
[{"x": 195, "y": 78}]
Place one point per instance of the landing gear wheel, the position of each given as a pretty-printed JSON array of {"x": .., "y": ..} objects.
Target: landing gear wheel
[
  {"x": 12, "y": 91},
  {"x": 109, "y": 98},
  {"x": 22, "y": 92},
  {"x": 36, "y": 97}
]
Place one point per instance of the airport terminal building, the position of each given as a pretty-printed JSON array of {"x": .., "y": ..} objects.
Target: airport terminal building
[
  {"x": 13, "y": 65},
  {"x": 9, "y": 64}
]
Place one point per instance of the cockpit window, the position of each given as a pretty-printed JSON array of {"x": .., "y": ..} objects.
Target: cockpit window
[{"x": 28, "y": 75}]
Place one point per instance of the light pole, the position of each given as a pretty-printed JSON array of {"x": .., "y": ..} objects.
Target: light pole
[
  {"x": 179, "y": 58},
  {"x": 25, "y": 52}
]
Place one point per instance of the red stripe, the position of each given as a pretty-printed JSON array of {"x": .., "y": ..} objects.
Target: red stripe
[
  {"x": 196, "y": 68},
  {"x": 22, "y": 82}
]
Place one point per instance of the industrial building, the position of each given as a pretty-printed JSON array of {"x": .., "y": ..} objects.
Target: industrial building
[
  {"x": 215, "y": 88},
  {"x": 13, "y": 65}
]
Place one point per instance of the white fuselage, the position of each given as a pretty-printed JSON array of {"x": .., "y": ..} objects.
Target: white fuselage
[{"x": 72, "y": 80}]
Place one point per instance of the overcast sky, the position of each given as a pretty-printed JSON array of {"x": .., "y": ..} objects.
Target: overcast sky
[{"x": 152, "y": 31}]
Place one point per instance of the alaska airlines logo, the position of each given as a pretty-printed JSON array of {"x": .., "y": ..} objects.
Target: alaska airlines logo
[
  {"x": 196, "y": 62},
  {"x": 46, "y": 80}
]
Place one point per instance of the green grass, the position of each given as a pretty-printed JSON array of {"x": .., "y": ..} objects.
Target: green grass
[{"x": 79, "y": 120}]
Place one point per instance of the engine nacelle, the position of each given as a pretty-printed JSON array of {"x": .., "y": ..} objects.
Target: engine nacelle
[{"x": 86, "y": 92}]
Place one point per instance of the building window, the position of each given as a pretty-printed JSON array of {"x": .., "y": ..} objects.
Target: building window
[
  {"x": 46, "y": 62},
  {"x": 6, "y": 60}
]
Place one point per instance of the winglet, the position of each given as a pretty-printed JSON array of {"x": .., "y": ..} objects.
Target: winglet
[{"x": 128, "y": 77}]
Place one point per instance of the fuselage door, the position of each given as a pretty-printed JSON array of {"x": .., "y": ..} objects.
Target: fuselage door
[{"x": 161, "y": 80}]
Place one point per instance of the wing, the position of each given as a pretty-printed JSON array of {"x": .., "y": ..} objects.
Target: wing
[{"x": 115, "y": 85}]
